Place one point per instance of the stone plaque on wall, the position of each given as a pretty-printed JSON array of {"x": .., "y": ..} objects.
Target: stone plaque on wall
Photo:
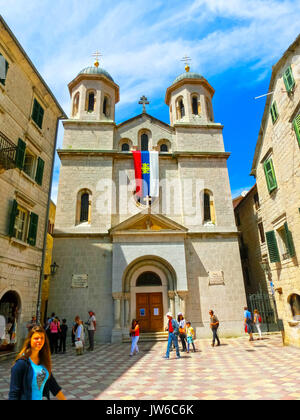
[
  {"x": 216, "y": 278},
  {"x": 80, "y": 280}
]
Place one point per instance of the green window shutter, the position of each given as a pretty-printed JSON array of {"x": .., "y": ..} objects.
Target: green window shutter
[
  {"x": 288, "y": 79},
  {"x": 13, "y": 215},
  {"x": 270, "y": 175},
  {"x": 274, "y": 112},
  {"x": 296, "y": 124},
  {"x": 3, "y": 69},
  {"x": 32, "y": 232},
  {"x": 272, "y": 246},
  {"x": 290, "y": 242},
  {"x": 40, "y": 171},
  {"x": 37, "y": 113},
  {"x": 20, "y": 155}
]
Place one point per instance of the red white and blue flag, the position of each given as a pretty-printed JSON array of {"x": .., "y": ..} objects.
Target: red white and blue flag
[{"x": 146, "y": 173}]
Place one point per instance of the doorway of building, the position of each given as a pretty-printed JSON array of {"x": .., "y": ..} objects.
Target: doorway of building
[
  {"x": 149, "y": 311},
  {"x": 9, "y": 308}
]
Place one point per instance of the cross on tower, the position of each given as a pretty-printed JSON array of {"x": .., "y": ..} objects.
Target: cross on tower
[
  {"x": 144, "y": 101},
  {"x": 97, "y": 55},
  {"x": 186, "y": 60}
]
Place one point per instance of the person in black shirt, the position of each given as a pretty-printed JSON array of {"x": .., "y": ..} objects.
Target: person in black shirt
[{"x": 63, "y": 336}]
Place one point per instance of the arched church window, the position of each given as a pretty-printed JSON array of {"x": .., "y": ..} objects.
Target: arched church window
[
  {"x": 148, "y": 279},
  {"x": 91, "y": 102},
  {"x": 209, "y": 109},
  {"x": 294, "y": 301},
  {"x": 163, "y": 148},
  {"x": 76, "y": 104},
  {"x": 195, "y": 105},
  {"x": 144, "y": 142},
  {"x": 125, "y": 147},
  {"x": 181, "y": 108},
  {"x": 84, "y": 208},
  {"x": 207, "y": 212},
  {"x": 106, "y": 106}
]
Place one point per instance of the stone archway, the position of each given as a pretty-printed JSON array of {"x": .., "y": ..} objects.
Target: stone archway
[{"x": 10, "y": 309}]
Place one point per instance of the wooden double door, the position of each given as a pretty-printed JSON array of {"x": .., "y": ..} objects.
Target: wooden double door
[{"x": 149, "y": 311}]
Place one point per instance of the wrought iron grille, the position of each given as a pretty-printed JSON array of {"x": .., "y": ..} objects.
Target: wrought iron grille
[{"x": 8, "y": 152}]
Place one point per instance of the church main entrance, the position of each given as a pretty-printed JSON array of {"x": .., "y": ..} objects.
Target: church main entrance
[
  {"x": 149, "y": 311},
  {"x": 149, "y": 303}
]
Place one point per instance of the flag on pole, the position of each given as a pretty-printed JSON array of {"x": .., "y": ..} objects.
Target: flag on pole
[{"x": 146, "y": 173}]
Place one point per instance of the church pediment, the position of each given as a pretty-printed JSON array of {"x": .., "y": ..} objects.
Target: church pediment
[
  {"x": 141, "y": 119},
  {"x": 148, "y": 223}
]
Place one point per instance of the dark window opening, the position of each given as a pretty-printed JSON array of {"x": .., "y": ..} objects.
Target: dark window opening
[
  {"x": 164, "y": 148},
  {"x": 195, "y": 105},
  {"x": 144, "y": 142},
  {"x": 148, "y": 279},
  {"x": 84, "y": 209},
  {"x": 91, "y": 103},
  {"x": 125, "y": 147},
  {"x": 207, "y": 214}
]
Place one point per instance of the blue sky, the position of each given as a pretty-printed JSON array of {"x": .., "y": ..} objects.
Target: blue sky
[{"x": 233, "y": 44}]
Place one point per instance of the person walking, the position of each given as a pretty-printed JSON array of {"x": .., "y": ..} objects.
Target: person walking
[
  {"x": 79, "y": 337},
  {"x": 248, "y": 323},
  {"x": 54, "y": 334},
  {"x": 31, "y": 323},
  {"x": 32, "y": 370},
  {"x": 182, "y": 330},
  {"x": 214, "y": 325},
  {"x": 63, "y": 336},
  {"x": 190, "y": 333},
  {"x": 135, "y": 335},
  {"x": 173, "y": 329},
  {"x": 91, "y": 330},
  {"x": 257, "y": 322}
]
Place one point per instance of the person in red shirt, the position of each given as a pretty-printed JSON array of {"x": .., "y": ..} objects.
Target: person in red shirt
[
  {"x": 135, "y": 335},
  {"x": 173, "y": 329}
]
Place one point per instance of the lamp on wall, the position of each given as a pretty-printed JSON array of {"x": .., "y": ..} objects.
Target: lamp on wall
[
  {"x": 265, "y": 266},
  {"x": 54, "y": 268}
]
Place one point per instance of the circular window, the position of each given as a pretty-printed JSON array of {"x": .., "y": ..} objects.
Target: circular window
[{"x": 148, "y": 279}]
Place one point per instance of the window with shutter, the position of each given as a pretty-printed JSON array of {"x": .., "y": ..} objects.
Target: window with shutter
[
  {"x": 37, "y": 113},
  {"x": 270, "y": 175},
  {"x": 12, "y": 220},
  {"x": 20, "y": 154},
  {"x": 296, "y": 124},
  {"x": 288, "y": 79},
  {"x": 40, "y": 171},
  {"x": 32, "y": 232},
  {"x": 272, "y": 246},
  {"x": 3, "y": 69},
  {"x": 289, "y": 241},
  {"x": 274, "y": 112}
]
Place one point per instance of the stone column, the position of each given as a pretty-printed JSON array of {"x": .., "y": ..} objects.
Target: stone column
[
  {"x": 171, "y": 295},
  {"x": 117, "y": 331},
  {"x": 183, "y": 295},
  {"x": 126, "y": 310}
]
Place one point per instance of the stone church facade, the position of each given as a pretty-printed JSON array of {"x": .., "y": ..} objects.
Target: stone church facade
[{"x": 127, "y": 258}]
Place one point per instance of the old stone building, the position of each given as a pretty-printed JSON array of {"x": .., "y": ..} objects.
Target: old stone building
[
  {"x": 125, "y": 256},
  {"x": 29, "y": 115},
  {"x": 276, "y": 167}
]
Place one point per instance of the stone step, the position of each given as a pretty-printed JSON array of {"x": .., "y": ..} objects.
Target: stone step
[{"x": 155, "y": 336}]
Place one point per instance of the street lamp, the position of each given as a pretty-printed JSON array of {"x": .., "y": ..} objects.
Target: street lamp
[
  {"x": 265, "y": 266},
  {"x": 54, "y": 268}
]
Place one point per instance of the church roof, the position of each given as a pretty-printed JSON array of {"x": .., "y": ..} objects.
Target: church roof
[
  {"x": 188, "y": 75},
  {"x": 96, "y": 70}
]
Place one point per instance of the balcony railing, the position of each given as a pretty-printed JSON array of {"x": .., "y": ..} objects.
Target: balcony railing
[{"x": 8, "y": 152}]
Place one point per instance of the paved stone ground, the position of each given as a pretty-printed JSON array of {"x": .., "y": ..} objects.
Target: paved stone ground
[{"x": 236, "y": 370}]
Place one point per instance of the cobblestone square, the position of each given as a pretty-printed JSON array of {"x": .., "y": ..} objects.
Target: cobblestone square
[{"x": 237, "y": 370}]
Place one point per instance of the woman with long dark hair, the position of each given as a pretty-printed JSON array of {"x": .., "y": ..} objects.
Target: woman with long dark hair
[
  {"x": 182, "y": 330},
  {"x": 135, "y": 335},
  {"x": 32, "y": 370}
]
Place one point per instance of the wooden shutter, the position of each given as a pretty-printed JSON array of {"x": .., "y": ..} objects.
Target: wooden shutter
[
  {"x": 32, "y": 232},
  {"x": 270, "y": 175},
  {"x": 4, "y": 68},
  {"x": 20, "y": 155},
  {"x": 296, "y": 124},
  {"x": 272, "y": 246},
  {"x": 13, "y": 215},
  {"x": 288, "y": 79},
  {"x": 37, "y": 113},
  {"x": 40, "y": 171},
  {"x": 289, "y": 240},
  {"x": 274, "y": 112}
]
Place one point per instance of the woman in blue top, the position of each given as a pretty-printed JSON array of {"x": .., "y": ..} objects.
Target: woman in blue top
[{"x": 32, "y": 369}]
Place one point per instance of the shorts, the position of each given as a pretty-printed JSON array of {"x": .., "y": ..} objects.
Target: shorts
[
  {"x": 190, "y": 340},
  {"x": 249, "y": 327}
]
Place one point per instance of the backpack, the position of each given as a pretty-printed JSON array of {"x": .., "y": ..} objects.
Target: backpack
[{"x": 259, "y": 319}]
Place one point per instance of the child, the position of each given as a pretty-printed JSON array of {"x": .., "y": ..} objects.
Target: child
[{"x": 190, "y": 334}]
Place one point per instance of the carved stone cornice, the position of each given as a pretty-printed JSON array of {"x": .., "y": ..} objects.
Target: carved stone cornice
[
  {"x": 118, "y": 295},
  {"x": 171, "y": 294},
  {"x": 182, "y": 294}
]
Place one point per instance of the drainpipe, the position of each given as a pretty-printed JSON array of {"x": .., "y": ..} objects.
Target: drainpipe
[{"x": 39, "y": 299}]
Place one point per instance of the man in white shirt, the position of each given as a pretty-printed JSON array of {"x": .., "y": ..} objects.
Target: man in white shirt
[{"x": 91, "y": 329}]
